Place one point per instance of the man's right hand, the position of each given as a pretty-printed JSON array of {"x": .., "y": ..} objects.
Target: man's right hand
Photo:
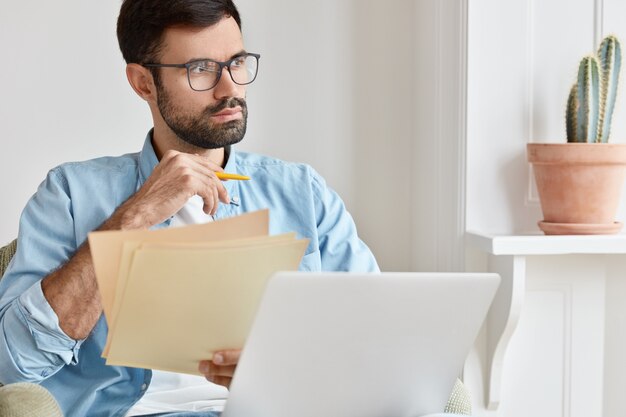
[
  {"x": 72, "y": 290},
  {"x": 178, "y": 177}
]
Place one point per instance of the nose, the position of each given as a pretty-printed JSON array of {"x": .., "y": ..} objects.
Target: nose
[{"x": 226, "y": 87}]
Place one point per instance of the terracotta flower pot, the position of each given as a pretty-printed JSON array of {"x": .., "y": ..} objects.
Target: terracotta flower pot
[{"x": 579, "y": 186}]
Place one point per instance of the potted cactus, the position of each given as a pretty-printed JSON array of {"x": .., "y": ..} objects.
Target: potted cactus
[{"x": 580, "y": 182}]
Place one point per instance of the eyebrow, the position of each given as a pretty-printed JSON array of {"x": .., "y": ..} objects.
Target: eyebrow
[{"x": 240, "y": 53}]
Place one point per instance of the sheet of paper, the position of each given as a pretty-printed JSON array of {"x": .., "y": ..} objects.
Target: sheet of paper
[
  {"x": 222, "y": 244},
  {"x": 107, "y": 246},
  {"x": 180, "y": 306},
  {"x": 129, "y": 249}
]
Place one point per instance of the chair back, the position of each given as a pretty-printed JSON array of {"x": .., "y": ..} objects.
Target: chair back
[{"x": 6, "y": 254}]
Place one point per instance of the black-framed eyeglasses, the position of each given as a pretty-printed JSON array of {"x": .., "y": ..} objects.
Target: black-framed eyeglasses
[{"x": 204, "y": 74}]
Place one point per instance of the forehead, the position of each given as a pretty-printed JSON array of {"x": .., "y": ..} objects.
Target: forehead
[{"x": 220, "y": 42}]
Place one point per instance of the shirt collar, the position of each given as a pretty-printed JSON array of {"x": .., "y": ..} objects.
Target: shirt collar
[
  {"x": 229, "y": 156},
  {"x": 147, "y": 159},
  {"x": 231, "y": 167}
]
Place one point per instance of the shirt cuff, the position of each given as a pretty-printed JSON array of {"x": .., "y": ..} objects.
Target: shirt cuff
[{"x": 43, "y": 324}]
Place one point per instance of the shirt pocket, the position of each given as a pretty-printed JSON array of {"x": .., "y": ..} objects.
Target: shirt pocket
[{"x": 311, "y": 262}]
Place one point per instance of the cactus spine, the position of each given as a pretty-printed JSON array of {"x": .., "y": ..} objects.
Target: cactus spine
[{"x": 592, "y": 99}]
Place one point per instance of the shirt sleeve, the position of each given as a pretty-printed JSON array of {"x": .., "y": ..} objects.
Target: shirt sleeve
[
  {"x": 340, "y": 247},
  {"x": 32, "y": 344}
]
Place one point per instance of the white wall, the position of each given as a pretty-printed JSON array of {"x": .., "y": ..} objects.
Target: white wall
[
  {"x": 523, "y": 58},
  {"x": 64, "y": 95},
  {"x": 615, "y": 342},
  {"x": 300, "y": 104},
  {"x": 439, "y": 148}
]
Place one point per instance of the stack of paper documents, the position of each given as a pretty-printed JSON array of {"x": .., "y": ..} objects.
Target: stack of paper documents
[{"x": 172, "y": 297}]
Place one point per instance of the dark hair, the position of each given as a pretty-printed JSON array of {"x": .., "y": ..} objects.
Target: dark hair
[{"x": 141, "y": 23}]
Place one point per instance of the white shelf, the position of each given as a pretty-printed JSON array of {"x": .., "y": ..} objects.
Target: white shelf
[
  {"x": 547, "y": 245},
  {"x": 507, "y": 256}
]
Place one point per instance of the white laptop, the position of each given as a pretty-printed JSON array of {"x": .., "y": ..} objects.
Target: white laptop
[{"x": 359, "y": 345}]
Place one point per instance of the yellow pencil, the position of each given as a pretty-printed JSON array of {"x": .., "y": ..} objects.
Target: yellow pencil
[{"x": 227, "y": 176}]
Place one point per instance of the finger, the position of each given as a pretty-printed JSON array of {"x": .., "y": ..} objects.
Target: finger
[
  {"x": 215, "y": 371},
  {"x": 227, "y": 357},
  {"x": 205, "y": 367},
  {"x": 223, "y": 380},
  {"x": 225, "y": 370},
  {"x": 198, "y": 163},
  {"x": 207, "y": 163},
  {"x": 209, "y": 203},
  {"x": 216, "y": 189},
  {"x": 222, "y": 194},
  {"x": 206, "y": 169},
  {"x": 216, "y": 199}
]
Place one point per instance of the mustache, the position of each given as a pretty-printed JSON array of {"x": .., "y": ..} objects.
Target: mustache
[{"x": 226, "y": 104}]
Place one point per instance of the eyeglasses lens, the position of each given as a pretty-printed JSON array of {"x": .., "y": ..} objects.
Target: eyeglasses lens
[{"x": 204, "y": 75}]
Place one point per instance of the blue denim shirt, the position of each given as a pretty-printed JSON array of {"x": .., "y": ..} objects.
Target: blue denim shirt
[{"x": 77, "y": 198}]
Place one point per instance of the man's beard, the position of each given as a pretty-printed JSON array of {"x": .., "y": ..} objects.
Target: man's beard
[{"x": 198, "y": 130}]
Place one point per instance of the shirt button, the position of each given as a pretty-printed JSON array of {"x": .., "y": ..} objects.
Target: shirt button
[
  {"x": 144, "y": 387},
  {"x": 235, "y": 199}
]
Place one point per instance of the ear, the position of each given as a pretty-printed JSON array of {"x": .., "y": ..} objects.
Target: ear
[{"x": 140, "y": 79}]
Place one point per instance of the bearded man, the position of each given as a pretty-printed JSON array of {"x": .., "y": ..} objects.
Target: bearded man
[{"x": 186, "y": 59}]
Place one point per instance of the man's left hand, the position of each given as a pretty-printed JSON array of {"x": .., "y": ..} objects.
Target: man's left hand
[{"x": 221, "y": 368}]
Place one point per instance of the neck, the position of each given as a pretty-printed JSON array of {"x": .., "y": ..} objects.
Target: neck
[{"x": 164, "y": 140}]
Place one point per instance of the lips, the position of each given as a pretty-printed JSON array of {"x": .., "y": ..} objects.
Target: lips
[
  {"x": 226, "y": 115},
  {"x": 229, "y": 111}
]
